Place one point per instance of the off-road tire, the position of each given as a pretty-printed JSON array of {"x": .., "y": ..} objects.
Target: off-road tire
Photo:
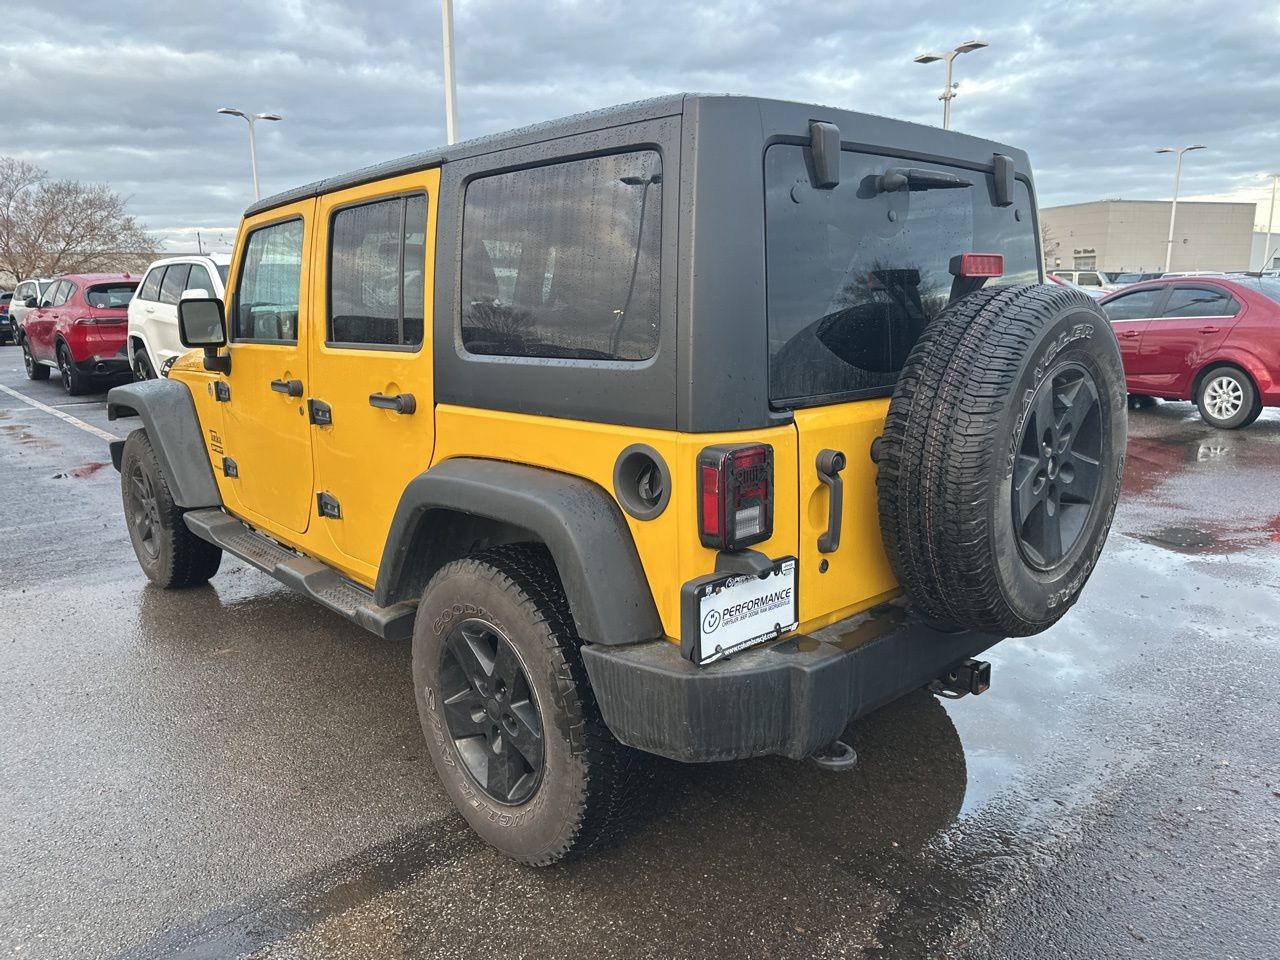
[
  {"x": 588, "y": 779},
  {"x": 35, "y": 370},
  {"x": 73, "y": 381},
  {"x": 951, "y": 453},
  {"x": 175, "y": 557},
  {"x": 1250, "y": 406}
]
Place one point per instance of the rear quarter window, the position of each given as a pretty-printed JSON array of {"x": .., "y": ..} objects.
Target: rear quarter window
[{"x": 150, "y": 289}]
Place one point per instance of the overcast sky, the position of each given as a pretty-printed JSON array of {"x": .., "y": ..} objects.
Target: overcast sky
[{"x": 125, "y": 92}]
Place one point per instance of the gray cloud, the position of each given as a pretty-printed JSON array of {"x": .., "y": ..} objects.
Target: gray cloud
[{"x": 125, "y": 92}]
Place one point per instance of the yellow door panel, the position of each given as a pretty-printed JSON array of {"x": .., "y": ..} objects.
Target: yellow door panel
[
  {"x": 371, "y": 343},
  {"x": 857, "y": 573},
  {"x": 265, "y": 426}
]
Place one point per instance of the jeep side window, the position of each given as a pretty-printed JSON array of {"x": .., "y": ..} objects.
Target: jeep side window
[
  {"x": 377, "y": 257},
  {"x": 175, "y": 278},
  {"x": 150, "y": 289},
  {"x": 268, "y": 288},
  {"x": 562, "y": 260},
  {"x": 198, "y": 279}
]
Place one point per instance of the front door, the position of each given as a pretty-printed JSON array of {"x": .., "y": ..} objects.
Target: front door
[
  {"x": 266, "y": 436},
  {"x": 1130, "y": 314},
  {"x": 372, "y": 391}
]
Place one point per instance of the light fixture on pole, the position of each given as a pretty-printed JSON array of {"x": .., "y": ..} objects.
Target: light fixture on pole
[
  {"x": 949, "y": 91},
  {"x": 251, "y": 118},
  {"x": 450, "y": 88},
  {"x": 1271, "y": 219},
  {"x": 1173, "y": 208}
]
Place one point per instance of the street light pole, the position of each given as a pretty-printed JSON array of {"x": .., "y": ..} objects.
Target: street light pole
[
  {"x": 450, "y": 88},
  {"x": 1173, "y": 208},
  {"x": 1271, "y": 219},
  {"x": 253, "y": 143},
  {"x": 949, "y": 91}
]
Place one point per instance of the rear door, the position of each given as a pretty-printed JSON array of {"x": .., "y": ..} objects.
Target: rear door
[
  {"x": 266, "y": 433},
  {"x": 1192, "y": 324},
  {"x": 853, "y": 276},
  {"x": 372, "y": 391}
]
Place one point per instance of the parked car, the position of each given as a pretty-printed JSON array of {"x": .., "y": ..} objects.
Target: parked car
[
  {"x": 1083, "y": 278},
  {"x": 26, "y": 296},
  {"x": 530, "y": 402},
  {"x": 1211, "y": 339},
  {"x": 8, "y": 329},
  {"x": 1118, "y": 281},
  {"x": 153, "y": 313},
  {"x": 1096, "y": 292},
  {"x": 79, "y": 329}
]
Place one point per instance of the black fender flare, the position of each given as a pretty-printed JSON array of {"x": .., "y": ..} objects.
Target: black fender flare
[
  {"x": 578, "y": 521},
  {"x": 169, "y": 416}
]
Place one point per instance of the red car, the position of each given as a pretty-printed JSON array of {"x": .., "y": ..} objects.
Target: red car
[
  {"x": 1214, "y": 340},
  {"x": 79, "y": 328}
]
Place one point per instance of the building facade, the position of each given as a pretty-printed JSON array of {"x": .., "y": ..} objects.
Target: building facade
[{"x": 1132, "y": 235}]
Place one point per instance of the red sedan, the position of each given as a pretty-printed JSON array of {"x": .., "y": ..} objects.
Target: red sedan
[
  {"x": 1214, "y": 340},
  {"x": 78, "y": 328}
]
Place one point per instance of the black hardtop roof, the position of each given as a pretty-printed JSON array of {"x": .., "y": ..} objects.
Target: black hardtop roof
[{"x": 641, "y": 110}]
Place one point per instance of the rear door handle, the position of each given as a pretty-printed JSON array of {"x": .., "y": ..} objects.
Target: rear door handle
[
  {"x": 292, "y": 388},
  {"x": 1129, "y": 334},
  {"x": 830, "y": 463},
  {"x": 401, "y": 402},
  {"x": 1210, "y": 329}
]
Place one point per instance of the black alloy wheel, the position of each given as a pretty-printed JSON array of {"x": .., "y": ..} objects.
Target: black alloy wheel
[
  {"x": 491, "y": 711},
  {"x": 144, "y": 510},
  {"x": 1057, "y": 472}
]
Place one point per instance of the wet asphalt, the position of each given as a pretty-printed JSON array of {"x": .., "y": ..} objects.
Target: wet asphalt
[{"x": 233, "y": 771}]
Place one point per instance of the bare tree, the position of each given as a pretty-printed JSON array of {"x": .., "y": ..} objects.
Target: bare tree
[
  {"x": 1048, "y": 244},
  {"x": 51, "y": 227}
]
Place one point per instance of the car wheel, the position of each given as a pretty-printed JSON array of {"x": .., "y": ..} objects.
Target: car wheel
[
  {"x": 510, "y": 720},
  {"x": 1002, "y": 457},
  {"x": 73, "y": 381},
  {"x": 169, "y": 553},
  {"x": 34, "y": 368},
  {"x": 142, "y": 368},
  {"x": 1226, "y": 398}
]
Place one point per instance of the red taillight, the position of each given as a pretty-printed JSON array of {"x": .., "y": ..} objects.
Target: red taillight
[
  {"x": 977, "y": 265},
  {"x": 736, "y": 495}
]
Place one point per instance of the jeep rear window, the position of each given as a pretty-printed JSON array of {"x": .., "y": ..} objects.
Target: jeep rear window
[
  {"x": 561, "y": 261},
  {"x": 853, "y": 274}
]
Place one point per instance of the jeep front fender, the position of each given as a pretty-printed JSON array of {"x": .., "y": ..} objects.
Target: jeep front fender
[
  {"x": 169, "y": 415},
  {"x": 580, "y": 524}
]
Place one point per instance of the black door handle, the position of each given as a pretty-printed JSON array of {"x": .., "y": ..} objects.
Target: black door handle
[
  {"x": 830, "y": 463},
  {"x": 291, "y": 387},
  {"x": 400, "y": 403}
]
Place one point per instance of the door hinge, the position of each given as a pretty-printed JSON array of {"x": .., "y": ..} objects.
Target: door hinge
[
  {"x": 320, "y": 413},
  {"x": 328, "y": 506},
  {"x": 229, "y": 468},
  {"x": 221, "y": 391}
]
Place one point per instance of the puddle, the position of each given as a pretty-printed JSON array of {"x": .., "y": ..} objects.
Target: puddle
[{"x": 1213, "y": 540}]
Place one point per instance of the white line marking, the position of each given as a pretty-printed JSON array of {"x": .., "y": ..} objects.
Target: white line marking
[{"x": 86, "y": 427}]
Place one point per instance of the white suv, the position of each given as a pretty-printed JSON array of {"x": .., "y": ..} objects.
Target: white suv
[
  {"x": 153, "y": 311},
  {"x": 30, "y": 289}
]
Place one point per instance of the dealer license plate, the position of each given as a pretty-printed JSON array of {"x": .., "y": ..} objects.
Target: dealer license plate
[{"x": 736, "y": 611}]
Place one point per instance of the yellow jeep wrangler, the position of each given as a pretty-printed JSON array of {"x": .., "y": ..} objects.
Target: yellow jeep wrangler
[{"x": 699, "y": 427}]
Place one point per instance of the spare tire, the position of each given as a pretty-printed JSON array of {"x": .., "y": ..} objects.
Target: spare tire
[{"x": 1002, "y": 457}]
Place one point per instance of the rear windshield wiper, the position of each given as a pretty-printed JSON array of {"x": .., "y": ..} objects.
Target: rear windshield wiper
[{"x": 913, "y": 178}]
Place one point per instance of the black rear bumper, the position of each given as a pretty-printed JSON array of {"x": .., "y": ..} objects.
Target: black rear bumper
[{"x": 791, "y": 697}]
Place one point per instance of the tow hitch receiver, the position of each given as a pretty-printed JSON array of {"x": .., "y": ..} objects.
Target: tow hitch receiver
[{"x": 971, "y": 676}]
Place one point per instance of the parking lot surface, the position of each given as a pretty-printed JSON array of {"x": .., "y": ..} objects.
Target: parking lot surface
[{"x": 233, "y": 771}]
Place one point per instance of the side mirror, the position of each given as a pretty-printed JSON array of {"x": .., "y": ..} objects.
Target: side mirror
[
  {"x": 195, "y": 293},
  {"x": 201, "y": 324}
]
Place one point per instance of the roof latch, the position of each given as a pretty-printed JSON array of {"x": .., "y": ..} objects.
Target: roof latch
[
  {"x": 824, "y": 143},
  {"x": 1002, "y": 171}
]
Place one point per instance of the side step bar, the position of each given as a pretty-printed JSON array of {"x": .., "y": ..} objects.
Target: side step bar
[{"x": 318, "y": 581}]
